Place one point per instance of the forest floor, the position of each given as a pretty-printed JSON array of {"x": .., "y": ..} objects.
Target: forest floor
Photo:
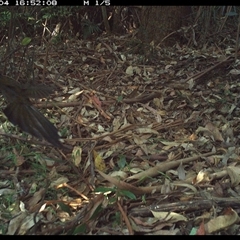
[{"x": 152, "y": 140}]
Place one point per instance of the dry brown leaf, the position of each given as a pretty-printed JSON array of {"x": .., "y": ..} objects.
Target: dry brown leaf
[
  {"x": 171, "y": 217},
  {"x": 77, "y": 155},
  {"x": 215, "y": 132},
  {"x": 181, "y": 172},
  {"x": 22, "y": 223},
  {"x": 37, "y": 196},
  {"x": 59, "y": 181},
  {"x": 222, "y": 222},
  {"x": 99, "y": 162},
  {"x": 234, "y": 173},
  {"x": 201, "y": 229},
  {"x": 202, "y": 177}
]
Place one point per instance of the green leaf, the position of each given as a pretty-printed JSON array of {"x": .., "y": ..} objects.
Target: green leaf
[
  {"x": 122, "y": 162},
  {"x": 193, "y": 231},
  {"x": 80, "y": 229},
  {"x": 119, "y": 98},
  {"x": 26, "y": 41},
  {"x": 128, "y": 194},
  {"x": 65, "y": 208}
]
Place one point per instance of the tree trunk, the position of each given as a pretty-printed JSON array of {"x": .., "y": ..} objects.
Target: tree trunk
[{"x": 158, "y": 22}]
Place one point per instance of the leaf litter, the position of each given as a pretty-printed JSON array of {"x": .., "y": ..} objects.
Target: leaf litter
[{"x": 161, "y": 136}]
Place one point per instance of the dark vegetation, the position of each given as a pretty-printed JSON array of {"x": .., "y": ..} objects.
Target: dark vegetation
[{"x": 146, "y": 103}]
